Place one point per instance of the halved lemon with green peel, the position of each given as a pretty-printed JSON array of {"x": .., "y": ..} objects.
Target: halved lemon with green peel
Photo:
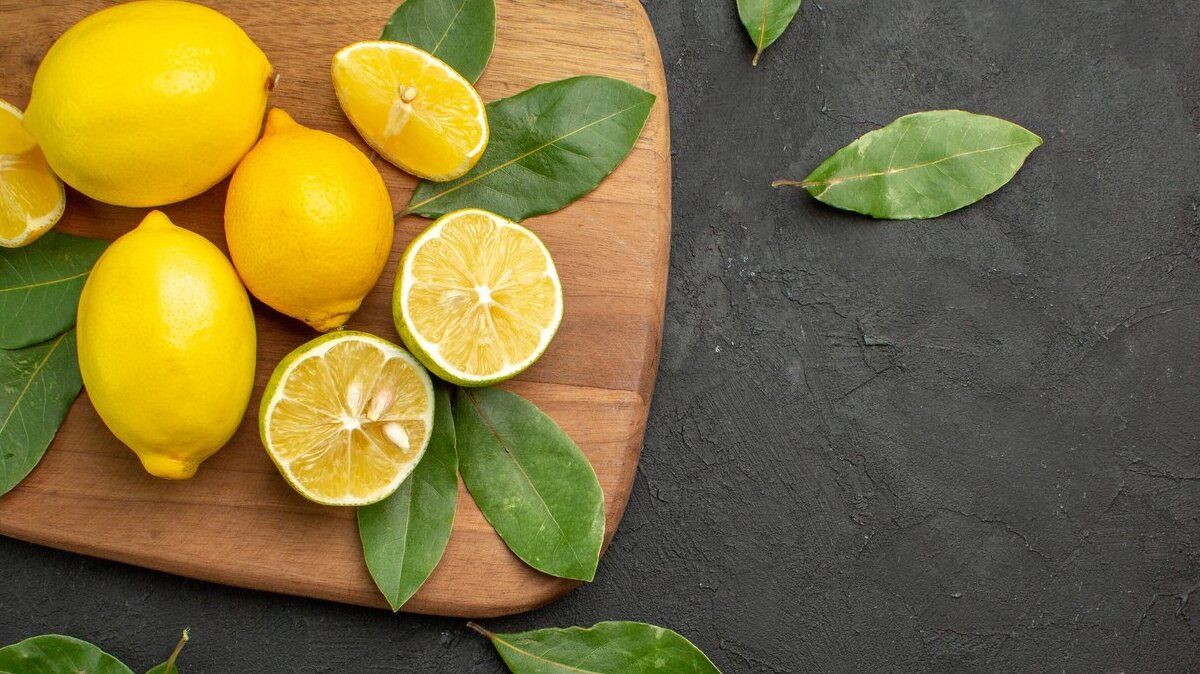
[
  {"x": 346, "y": 417},
  {"x": 477, "y": 298},
  {"x": 32, "y": 198},
  {"x": 411, "y": 107}
]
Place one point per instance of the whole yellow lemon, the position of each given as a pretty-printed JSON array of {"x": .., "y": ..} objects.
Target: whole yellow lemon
[
  {"x": 308, "y": 221},
  {"x": 167, "y": 345},
  {"x": 148, "y": 103}
]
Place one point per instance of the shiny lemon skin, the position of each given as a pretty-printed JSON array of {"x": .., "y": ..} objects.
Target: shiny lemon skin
[
  {"x": 148, "y": 103},
  {"x": 308, "y": 221},
  {"x": 167, "y": 345}
]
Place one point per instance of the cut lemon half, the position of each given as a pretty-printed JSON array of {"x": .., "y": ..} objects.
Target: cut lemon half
[
  {"x": 346, "y": 417},
  {"x": 32, "y": 198},
  {"x": 477, "y": 298},
  {"x": 412, "y": 108}
]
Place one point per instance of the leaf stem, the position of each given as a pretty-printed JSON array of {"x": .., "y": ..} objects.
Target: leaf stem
[
  {"x": 183, "y": 639},
  {"x": 478, "y": 628},
  {"x": 790, "y": 183}
]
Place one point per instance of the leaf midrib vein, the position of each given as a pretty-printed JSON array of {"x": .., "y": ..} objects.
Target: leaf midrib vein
[
  {"x": 491, "y": 429},
  {"x": 875, "y": 174},
  {"x": 40, "y": 284},
  {"x": 29, "y": 382},
  {"x": 412, "y": 208},
  {"x": 449, "y": 27},
  {"x": 539, "y": 658}
]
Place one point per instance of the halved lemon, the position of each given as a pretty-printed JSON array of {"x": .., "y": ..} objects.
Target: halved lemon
[
  {"x": 477, "y": 298},
  {"x": 346, "y": 417},
  {"x": 32, "y": 198},
  {"x": 416, "y": 111}
]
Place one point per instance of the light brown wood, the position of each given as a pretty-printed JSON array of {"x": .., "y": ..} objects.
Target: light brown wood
[{"x": 238, "y": 522}]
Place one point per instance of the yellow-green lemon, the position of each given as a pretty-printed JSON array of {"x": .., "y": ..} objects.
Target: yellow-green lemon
[
  {"x": 148, "y": 103},
  {"x": 308, "y": 221},
  {"x": 167, "y": 345}
]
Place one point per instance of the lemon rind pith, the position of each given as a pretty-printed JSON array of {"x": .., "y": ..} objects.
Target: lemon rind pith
[
  {"x": 318, "y": 348},
  {"x": 429, "y": 352}
]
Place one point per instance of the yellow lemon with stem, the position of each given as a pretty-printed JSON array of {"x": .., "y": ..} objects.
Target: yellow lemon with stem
[
  {"x": 149, "y": 102},
  {"x": 308, "y": 220}
]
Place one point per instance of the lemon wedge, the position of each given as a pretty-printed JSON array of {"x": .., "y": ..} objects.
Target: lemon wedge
[
  {"x": 32, "y": 198},
  {"x": 412, "y": 108}
]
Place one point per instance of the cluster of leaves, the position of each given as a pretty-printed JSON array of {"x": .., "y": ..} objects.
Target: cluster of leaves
[
  {"x": 39, "y": 373},
  {"x": 920, "y": 166},
  {"x": 605, "y": 648},
  {"x": 550, "y": 145}
]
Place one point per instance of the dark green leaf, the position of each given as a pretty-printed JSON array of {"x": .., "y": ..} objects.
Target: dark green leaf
[
  {"x": 37, "y": 385},
  {"x": 404, "y": 535},
  {"x": 57, "y": 654},
  {"x": 459, "y": 32},
  {"x": 549, "y": 146},
  {"x": 765, "y": 21},
  {"x": 40, "y": 285},
  {"x": 165, "y": 668},
  {"x": 606, "y": 648},
  {"x": 530, "y": 481},
  {"x": 922, "y": 165}
]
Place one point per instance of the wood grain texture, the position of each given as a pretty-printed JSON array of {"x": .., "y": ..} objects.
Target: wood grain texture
[{"x": 237, "y": 522}]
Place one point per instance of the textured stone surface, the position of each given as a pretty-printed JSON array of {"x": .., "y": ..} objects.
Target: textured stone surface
[{"x": 960, "y": 445}]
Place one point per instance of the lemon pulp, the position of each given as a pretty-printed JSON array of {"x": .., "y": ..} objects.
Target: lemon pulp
[
  {"x": 412, "y": 108},
  {"x": 32, "y": 198},
  {"x": 346, "y": 417},
  {"x": 478, "y": 299}
]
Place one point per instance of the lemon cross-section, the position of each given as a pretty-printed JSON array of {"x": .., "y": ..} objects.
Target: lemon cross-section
[
  {"x": 32, "y": 198},
  {"x": 478, "y": 298},
  {"x": 412, "y": 108},
  {"x": 346, "y": 417}
]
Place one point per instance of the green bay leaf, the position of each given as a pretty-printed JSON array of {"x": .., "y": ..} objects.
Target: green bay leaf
[
  {"x": 922, "y": 165},
  {"x": 549, "y": 146},
  {"x": 404, "y": 536},
  {"x": 40, "y": 285},
  {"x": 765, "y": 21},
  {"x": 37, "y": 385},
  {"x": 170, "y": 666},
  {"x": 58, "y": 654},
  {"x": 459, "y": 32},
  {"x": 531, "y": 482},
  {"x": 165, "y": 668},
  {"x": 605, "y": 648}
]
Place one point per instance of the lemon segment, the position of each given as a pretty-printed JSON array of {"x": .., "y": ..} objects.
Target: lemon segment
[
  {"x": 478, "y": 298},
  {"x": 32, "y": 198},
  {"x": 346, "y": 417},
  {"x": 412, "y": 108}
]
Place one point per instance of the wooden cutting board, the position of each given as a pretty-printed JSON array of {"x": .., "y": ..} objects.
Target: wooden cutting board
[{"x": 237, "y": 522}]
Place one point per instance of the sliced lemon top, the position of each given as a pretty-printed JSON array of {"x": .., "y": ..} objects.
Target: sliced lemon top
[
  {"x": 416, "y": 111},
  {"x": 478, "y": 298},
  {"x": 32, "y": 198},
  {"x": 346, "y": 417}
]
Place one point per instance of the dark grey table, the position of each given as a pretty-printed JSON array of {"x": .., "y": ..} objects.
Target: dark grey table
[{"x": 960, "y": 445}]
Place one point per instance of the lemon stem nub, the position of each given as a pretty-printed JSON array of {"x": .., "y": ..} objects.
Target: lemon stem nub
[{"x": 408, "y": 94}]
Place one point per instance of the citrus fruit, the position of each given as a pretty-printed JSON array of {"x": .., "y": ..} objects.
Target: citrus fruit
[
  {"x": 147, "y": 103},
  {"x": 477, "y": 298},
  {"x": 346, "y": 417},
  {"x": 167, "y": 345},
  {"x": 31, "y": 196},
  {"x": 308, "y": 221},
  {"x": 416, "y": 111}
]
